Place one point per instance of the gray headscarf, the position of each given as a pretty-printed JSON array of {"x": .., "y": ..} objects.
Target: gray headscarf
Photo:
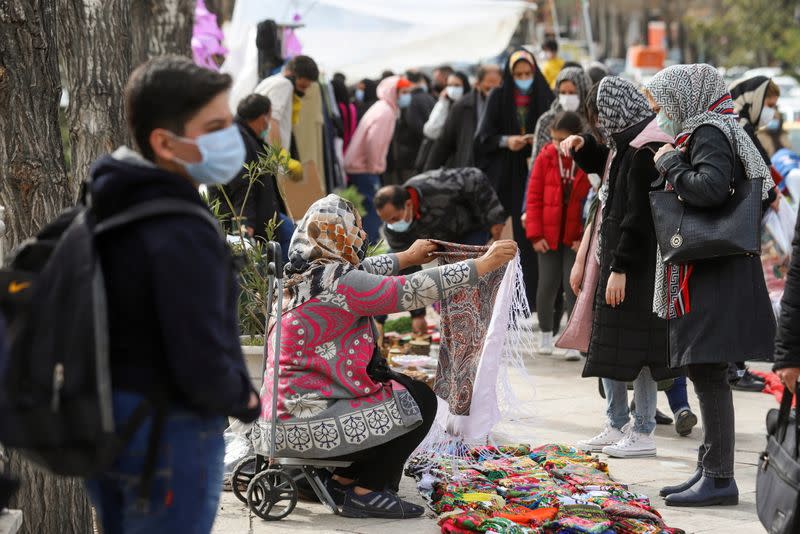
[{"x": 541, "y": 135}]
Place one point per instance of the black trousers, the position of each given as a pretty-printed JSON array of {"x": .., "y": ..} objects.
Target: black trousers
[
  {"x": 379, "y": 468},
  {"x": 715, "y": 455}
]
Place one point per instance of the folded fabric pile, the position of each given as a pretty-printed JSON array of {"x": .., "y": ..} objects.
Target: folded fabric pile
[{"x": 552, "y": 489}]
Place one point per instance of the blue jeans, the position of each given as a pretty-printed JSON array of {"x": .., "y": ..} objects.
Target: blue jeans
[
  {"x": 368, "y": 185},
  {"x": 677, "y": 396},
  {"x": 285, "y": 233},
  {"x": 644, "y": 395},
  {"x": 184, "y": 494}
]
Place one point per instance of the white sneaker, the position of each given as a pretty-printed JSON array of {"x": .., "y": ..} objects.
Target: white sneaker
[
  {"x": 633, "y": 445},
  {"x": 572, "y": 355},
  {"x": 608, "y": 436},
  {"x": 546, "y": 344}
]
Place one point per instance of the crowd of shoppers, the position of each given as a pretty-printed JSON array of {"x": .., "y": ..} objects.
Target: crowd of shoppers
[{"x": 453, "y": 158}]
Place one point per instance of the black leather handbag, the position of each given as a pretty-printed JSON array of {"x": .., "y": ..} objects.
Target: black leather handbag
[
  {"x": 778, "y": 479},
  {"x": 686, "y": 233}
]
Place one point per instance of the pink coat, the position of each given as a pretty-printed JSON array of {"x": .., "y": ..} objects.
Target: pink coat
[{"x": 369, "y": 147}]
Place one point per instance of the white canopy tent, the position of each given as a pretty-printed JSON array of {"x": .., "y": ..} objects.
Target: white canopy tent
[{"x": 361, "y": 38}]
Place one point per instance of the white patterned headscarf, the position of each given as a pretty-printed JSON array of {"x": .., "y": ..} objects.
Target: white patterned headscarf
[
  {"x": 582, "y": 83},
  {"x": 694, "y": 96}
]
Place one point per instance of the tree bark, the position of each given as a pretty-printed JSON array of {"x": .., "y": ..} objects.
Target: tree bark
[
  {"x": 33, "y": 185},
  {"x": 33, "y": 188},
  {"x": 168, "y": 27},
  {"x": 97, "y": 57},
  {"x": 101, "y": 43}
]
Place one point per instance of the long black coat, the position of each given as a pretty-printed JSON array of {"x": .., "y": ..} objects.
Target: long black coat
[
  {"x": 408, "y": 135},
  {"x": 629, "y": 337},
  {"x": 787, "y": 345},
  {"x": 454, "y": 149},
  {"x": 731, "y": 316}
]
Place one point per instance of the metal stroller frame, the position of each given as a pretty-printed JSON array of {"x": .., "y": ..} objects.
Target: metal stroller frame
[{"x": 266, "y": 479}]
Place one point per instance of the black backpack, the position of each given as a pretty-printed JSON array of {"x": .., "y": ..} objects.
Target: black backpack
[{"x": 56, "y": 406}]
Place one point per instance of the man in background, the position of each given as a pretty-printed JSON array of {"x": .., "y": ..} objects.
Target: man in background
[
  {"x": 416, "y": 104},
  {"x": 453, "y": 148}
]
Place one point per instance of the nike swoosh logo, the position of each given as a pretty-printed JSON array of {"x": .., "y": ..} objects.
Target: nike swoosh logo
[{"x": 15, "y": 287}]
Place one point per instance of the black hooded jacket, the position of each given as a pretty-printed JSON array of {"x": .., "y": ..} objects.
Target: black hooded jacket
[{"x": 171, "y": 295}]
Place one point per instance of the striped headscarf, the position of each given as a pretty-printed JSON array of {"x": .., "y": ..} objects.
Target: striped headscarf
[
  {"x": 694, "y": 96},
  {"x": 748, "y": 98}
]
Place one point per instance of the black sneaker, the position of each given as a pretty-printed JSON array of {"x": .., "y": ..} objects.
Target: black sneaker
[
  {"x": 383, "y": 504},
  {"x": 685, "y": 421},
  {"x": 749, "y": 382}
]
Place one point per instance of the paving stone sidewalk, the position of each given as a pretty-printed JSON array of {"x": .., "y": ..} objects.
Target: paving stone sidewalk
[{"x": 562, "y": 407}]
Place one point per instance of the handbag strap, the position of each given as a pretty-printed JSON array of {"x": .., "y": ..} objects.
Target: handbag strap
[{"x": 783, "y": 418}]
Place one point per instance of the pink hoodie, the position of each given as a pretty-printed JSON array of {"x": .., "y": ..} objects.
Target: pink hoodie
[{"x": 369, "y": 147}]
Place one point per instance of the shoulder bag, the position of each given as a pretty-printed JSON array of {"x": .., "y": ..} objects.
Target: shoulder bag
[{"x": 778, "y": 479}]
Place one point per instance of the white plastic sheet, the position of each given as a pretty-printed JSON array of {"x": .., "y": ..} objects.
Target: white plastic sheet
[{"x": 361, "y": 38}]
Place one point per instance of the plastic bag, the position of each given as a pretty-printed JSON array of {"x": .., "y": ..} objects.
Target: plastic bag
[{"x": 237, "y": 445}]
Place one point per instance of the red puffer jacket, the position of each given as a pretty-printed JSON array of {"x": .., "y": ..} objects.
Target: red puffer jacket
[{"x": 545, "y": 204}]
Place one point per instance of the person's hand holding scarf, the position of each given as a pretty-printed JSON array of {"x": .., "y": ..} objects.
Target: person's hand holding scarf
[
  {"x": 418, "y": 253},
  {"x": 499, "y": 253}
]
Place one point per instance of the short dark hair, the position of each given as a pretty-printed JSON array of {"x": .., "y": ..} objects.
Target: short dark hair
[
  {"x": 447, "y": 69},
  {"x": 304, "y": 67},
  {"x": 550, "y": 45},
  {"x": 396, "y": 195},
  {"x": 414, "y": 76},
  {"x": 253, "y": 106},
  {"x": 166, "y": 92},
  {"x": 568, "y": 121},
  {"x": 484, "y": 70}
]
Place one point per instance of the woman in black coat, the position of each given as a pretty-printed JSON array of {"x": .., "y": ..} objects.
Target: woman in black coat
[
  {"x": 503, "y": 146},
  {"x": 628, "y": 342},
  {"x": 718, "y": 310}
]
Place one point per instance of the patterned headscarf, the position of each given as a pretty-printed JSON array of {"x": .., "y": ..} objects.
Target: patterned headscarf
[
  {"x": 693, "y": 96},
  {"x": 748, "y": 99},
  {"x": 328, "y": 243},
  {"x": 577, "y": 76},
  {"x": 696, "y": 95},
  {"x": 621, "y": 105}
]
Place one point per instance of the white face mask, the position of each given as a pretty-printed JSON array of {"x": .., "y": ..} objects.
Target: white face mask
[
  {"x": 454, "y": 92},
  {"x": 767, "y": 114},
  {"x": 569, "y": 102}
]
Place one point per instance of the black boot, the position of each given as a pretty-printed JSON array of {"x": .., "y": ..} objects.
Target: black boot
[
  {"x": 669, "y": 490},
  {"x": 707, "y": 492},
  {"x": 748, "y": 382}
]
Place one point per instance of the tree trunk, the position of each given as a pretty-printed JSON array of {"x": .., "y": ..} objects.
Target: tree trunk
[
  {"x": 96, "y": 56},
  {"x": 33, "y": 185},
  {"x": 168, "y": 25},
  {"x": 33, "y": 188},
  {"x": 101, "y": 43}
]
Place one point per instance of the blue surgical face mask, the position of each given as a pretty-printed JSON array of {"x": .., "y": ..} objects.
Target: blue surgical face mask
[
  {"x": 360, "y": 95},
  {"x": 222, "y": 156},
  {"x": 400, "y": 226},
  {"x": 667, "y": 125},
  {"x": 524, "y": 85},
  {"x": 404, "y": 100}
]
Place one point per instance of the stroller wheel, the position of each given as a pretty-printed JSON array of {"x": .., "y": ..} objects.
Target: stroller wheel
[
  {"x": 272, "y": 494},
  {"x": 242, "y": 474}
]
